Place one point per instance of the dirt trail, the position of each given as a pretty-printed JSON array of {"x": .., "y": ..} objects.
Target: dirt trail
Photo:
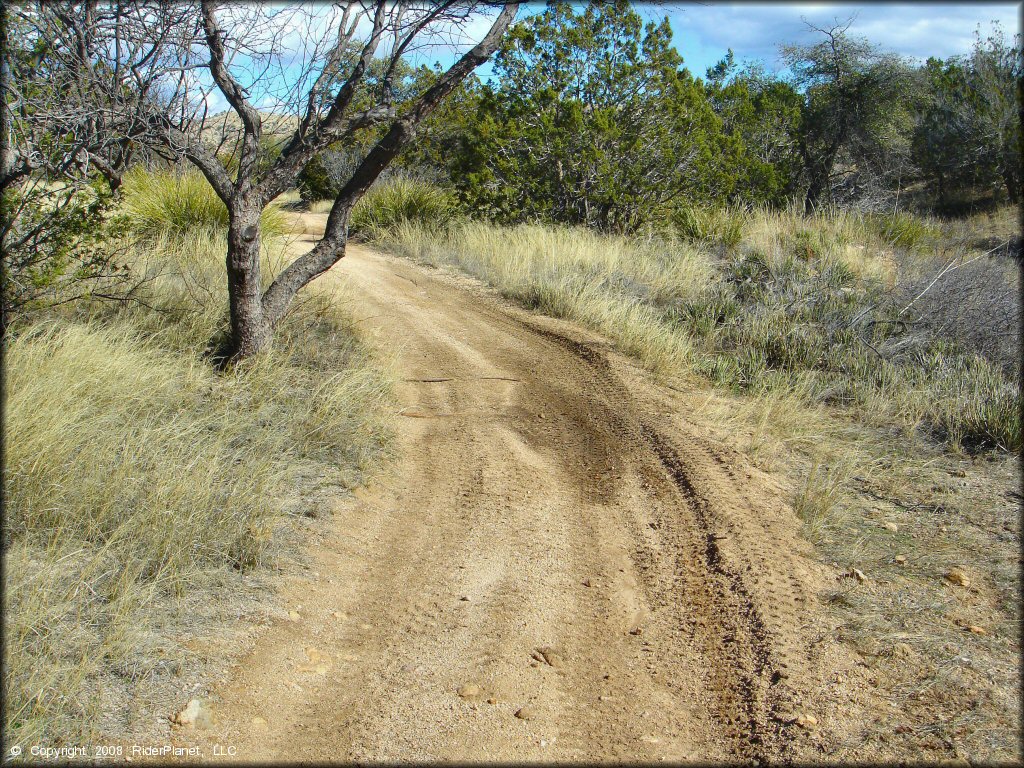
[{"x": 552, "y": 532}]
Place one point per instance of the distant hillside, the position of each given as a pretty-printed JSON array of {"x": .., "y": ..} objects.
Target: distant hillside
[{"x": 224, "y": 128}]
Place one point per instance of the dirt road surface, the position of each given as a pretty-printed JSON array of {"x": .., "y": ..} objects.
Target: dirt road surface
[{"x": 556, "y": 566}]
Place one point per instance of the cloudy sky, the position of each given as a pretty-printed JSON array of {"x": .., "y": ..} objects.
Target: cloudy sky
[{"x": 704, "y": 31}]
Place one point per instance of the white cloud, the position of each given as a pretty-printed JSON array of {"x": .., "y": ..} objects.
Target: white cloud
[{"x": 754, "y": 31}]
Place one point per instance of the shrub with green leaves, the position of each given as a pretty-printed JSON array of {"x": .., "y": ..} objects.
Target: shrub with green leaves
[
  {"x": 58, "y": 246},
  {"x": 401, "y": 200},
  {"x": 902, "y": 230}
]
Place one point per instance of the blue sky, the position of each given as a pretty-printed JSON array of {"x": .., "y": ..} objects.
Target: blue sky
[{"x": 704, "y": 31}]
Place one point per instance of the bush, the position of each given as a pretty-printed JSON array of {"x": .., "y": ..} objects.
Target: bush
[
  {"x": 136, "y": 476},
  {"x": 970, "y": 403},
  {"x": 324, "y": 175},
  {"x": 318, "y": 180},
  {"x": 902, "y": 230},
  {"x": 401, "y": 200},
  {"x": 58, "y": 247},
  {"x": 162, "y": 203},
  {"x": 706, "y": 225}
]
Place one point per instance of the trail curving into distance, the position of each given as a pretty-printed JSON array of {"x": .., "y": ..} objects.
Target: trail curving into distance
[{"x": 553, "y": 539}]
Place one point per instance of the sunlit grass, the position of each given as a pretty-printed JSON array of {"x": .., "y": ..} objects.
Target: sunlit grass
[
  {"x": 794, "y": 304},
  {"x": 134, "y": 471}
]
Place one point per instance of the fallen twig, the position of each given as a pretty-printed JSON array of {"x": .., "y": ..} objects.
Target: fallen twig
[
  {"x": 950, "y": 267},
  {"x": 406, "y": 278},
  {"x": 479, "y": 378}
]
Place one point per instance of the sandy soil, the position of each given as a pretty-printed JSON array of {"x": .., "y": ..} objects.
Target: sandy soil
[{"x": 553, "y": 539}]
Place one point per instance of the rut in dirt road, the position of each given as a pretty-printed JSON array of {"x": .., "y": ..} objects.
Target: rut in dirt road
[{"x": 555, "y": 567}]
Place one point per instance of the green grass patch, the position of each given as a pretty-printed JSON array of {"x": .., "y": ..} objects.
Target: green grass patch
[{"x": 166, "y": 203}]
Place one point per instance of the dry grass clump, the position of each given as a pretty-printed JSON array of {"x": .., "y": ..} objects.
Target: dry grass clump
[
  {"x": 399, "y": 199},
  {"x": 135, "y": 472},
  {"x": 182, "y": 204},
  {"x": 821, "y": 305},
  {"x": 710, "y": 226},
  {"x": 393, "y": 202},
  {"x": 616, "y": 285},
  {"x": 321, "y": 206}
]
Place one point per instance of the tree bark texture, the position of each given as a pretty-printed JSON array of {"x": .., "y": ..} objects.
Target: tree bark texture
[{"x": 250, "y": 331}]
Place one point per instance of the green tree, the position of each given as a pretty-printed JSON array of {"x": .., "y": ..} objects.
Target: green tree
[
  {"x": 857, "y": 116},
  {"x": 946, "y": 146},
  {"x": 995, "y": 74},
  {"x": 761, "y": 118},
  {"x": 60, "y": 169},
  {"x": 400, "y": 83},
  {"x": 593, "y": 121},
  {"x": 967, "y": 139}
]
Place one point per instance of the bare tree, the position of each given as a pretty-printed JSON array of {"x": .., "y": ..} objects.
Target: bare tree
[
  {"x": 162, "y": 69},
  {"x": 67, "y": 119},
  {"x": 856, "y": 110}
]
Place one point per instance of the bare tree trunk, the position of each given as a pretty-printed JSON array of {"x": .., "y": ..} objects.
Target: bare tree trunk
[
  {"x": 814, "y": 192},
  {"x": 250, "y": 332},
  {"x": 331, "y": 248},
  {"x": 819, "y": 188},
  {"x": 1012, "y": 186}
]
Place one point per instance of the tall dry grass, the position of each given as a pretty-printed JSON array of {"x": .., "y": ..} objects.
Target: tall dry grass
[
  {"x": 613, "y": 284},
  {"x": 137, "y": 475},
  {"x": 181, "y": 204},
  {"x": 800, "y": 305}
]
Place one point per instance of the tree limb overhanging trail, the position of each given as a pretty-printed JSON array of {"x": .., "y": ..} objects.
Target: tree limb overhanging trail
[
  {"x": 142, "y": 74},
  {"x": 559, "y": 569}
]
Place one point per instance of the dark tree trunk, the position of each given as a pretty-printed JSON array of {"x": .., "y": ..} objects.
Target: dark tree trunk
[
  {"x": 1012, "y": 186},
  {"x": 255, "y": 313},
  {"x": 250, "y": 332},
  {"x": 814, "y": 192},
  {"x": 331, "y": 248}
]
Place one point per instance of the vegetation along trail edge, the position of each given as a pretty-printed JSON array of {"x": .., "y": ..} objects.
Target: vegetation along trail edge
[{"x": 556, "y": 566}]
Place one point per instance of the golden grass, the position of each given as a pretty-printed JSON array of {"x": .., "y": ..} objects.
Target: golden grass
[
  {"x": 904, "y": 458},
  {"x": 135, "y": 472},
  {"x": 181, "y": 204},
  {"x": 786, "y": 306},
  {"x": 604, "y": 282}
]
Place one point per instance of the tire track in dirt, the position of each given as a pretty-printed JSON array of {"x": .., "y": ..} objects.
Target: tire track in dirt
[
  {"x": 745, "y": 671},
  {"x": 544, "y": 496}
]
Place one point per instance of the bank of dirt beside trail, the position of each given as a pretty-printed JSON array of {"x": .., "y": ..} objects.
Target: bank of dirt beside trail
[{"x": 557, "y": 566}]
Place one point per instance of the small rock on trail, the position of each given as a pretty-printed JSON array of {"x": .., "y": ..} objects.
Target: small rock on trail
[
  {"x": 957, "y": 577},
  {"x": 470, "y": 691},
  {"x": 194, "y": 714},
  {"x": 549, "y": 656}
]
